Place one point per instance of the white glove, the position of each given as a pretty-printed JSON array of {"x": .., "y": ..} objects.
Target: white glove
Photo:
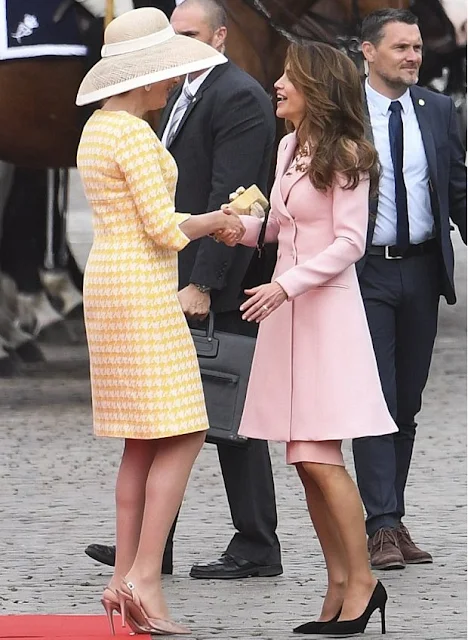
[
  {"x": 256, "y": 210},
  {"x": 238, "y": 192}
]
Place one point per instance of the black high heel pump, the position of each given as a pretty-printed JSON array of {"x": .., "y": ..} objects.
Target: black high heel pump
[
  {"x": 358, "y": 625},
  {"x": 317, "y": 627}
]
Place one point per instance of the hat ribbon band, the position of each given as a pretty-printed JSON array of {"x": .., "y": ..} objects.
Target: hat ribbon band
[{"x": 137, "y": 44}]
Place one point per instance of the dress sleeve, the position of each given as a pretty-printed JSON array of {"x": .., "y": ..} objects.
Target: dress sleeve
[
  {"x": 139, "y": 157},
  {"x": 253, "y": 226},
  {"x": 350, "y": 211}
]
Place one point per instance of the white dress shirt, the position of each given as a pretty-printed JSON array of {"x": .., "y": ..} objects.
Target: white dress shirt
[
  {"x": 193, "y": 88},
  {"x": 415, "y": 172}
]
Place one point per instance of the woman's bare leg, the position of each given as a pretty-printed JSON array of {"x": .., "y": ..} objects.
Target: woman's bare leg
[
  {"x": 165, "y": 488},
  {"x": 332, "y": 546},
  {"x": 344, "y": 504},
  {"x": 130, "y": 489}
]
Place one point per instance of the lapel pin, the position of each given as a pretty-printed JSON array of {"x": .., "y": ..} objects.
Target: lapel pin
[{"x": 421, "y": 102}]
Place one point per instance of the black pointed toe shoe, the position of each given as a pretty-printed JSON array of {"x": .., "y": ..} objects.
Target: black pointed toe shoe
[
  {"x": 316, "y": 627},
  {"x": 358, "y": 625}
]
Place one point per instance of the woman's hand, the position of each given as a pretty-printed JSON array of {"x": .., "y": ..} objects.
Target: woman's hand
[
  {"x": 231, "y": 229},
  {"x": 263, "y": 300}
]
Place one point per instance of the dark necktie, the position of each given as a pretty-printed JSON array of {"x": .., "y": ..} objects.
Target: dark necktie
[{"x": 395, "y": 130}]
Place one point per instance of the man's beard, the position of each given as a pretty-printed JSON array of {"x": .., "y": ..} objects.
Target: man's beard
[{"x": 398, "y": 83}]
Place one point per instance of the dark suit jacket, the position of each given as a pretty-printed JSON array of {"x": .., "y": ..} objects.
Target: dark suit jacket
[
  {"x": 446, "y": 159},
  {"x": 225, "y": 141}
]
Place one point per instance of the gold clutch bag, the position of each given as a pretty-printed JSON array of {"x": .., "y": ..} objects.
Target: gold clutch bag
[{"x": 242, "y": 201}]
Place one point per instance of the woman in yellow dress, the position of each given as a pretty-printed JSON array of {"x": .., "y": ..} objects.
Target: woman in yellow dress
[{"x": 145, "y": 378}]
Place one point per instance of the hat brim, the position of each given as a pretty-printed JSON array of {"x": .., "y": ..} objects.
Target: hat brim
[{"x": 117, "y": 74}]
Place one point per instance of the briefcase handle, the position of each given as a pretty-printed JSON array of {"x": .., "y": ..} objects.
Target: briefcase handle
[
  {"x": 207, "y": 332},
  {"x": 206, "y": 344},
  {"x": 210, "y": 327}
]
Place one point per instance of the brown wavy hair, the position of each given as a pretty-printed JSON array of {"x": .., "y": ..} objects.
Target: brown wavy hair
[{"x": 334, "y": 120}]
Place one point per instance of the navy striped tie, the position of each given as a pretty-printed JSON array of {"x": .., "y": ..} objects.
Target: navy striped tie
[{"x": 395, "y": 131}]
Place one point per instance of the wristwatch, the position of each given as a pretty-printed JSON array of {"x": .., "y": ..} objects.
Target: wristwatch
[{"x": 202, "y": 288}]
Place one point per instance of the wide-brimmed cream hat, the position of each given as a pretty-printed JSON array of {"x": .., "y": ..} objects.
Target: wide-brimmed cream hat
[{"x": 140, "y": 48}]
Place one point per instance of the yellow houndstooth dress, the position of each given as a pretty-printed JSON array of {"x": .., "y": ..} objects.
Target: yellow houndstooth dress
[{"x": 144, "y": 372}]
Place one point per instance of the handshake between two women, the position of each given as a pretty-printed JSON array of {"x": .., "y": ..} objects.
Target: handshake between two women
[
  {"x": 254, "y": 208},
  {"x": 231, "y": 229},
  {"x": 228, "y": 225}
]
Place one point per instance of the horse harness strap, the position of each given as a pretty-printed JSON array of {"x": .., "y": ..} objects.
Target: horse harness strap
[
  {"x": 253, "y": 43},
  {"x": 356, "y": 13},
  {"x": 290, "y": 31}
]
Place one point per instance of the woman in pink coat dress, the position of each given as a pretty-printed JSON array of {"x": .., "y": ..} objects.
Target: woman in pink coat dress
[{"x": 314, "y": 378}]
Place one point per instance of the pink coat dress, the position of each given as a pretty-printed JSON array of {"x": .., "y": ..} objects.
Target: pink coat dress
[{"x": 314, "y": 374}]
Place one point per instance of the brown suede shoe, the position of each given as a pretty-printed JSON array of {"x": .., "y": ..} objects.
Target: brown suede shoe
[
  {"x": 384, "y": 550},
  {"x": 411, "y": 553}
]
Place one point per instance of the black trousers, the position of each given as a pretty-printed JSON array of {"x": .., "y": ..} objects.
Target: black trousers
[
  {"x": 248, "y": 480},
  {"x": 401, "y": 298}
]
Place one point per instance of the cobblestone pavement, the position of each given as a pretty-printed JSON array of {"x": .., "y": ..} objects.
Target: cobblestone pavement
[{"x": 57, "y": 496}]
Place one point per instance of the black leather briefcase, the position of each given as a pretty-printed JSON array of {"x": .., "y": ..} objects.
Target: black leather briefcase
[{"x": 225, "y": 360}]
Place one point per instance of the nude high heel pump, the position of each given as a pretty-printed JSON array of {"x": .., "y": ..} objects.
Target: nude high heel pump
[
  {"x": 136, "y": 625},
  {"x": 130, "y": 604},
  {"x": 110, "y": 606}
]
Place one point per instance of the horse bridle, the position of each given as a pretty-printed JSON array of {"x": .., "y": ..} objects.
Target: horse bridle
[
  {"x": 253, "y": 43},
  {"x": 321, "y": 20},
  {"x": 259, "y": 7}
]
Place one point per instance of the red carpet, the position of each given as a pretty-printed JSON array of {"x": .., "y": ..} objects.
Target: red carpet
[{"x": 61, "y": 628}]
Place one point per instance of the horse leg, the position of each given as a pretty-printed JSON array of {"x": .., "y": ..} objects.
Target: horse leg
[
  {"x": 7, "y": 360},
  {"x": 55, "y": 275},
  {"x": 22, "y": 343},
  {"x": 15, "y": 343},
  {"x": 61, "y": 288},
  {"x": 21, "y": 255},
  {"x": 76, "y": 274}
]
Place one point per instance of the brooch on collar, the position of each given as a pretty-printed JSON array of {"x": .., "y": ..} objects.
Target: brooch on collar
[{"x": 298, "y": 164}]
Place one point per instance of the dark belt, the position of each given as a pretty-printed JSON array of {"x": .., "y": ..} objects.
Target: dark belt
[{"x": 393, "y": 253}]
